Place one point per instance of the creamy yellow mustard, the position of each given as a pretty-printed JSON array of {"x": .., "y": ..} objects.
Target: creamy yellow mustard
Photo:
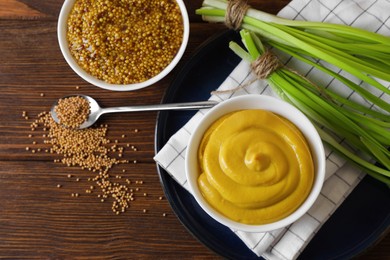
[{"x": 256, "y": 166}]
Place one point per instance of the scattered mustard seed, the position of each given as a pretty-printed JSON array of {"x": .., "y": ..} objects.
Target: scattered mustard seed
[{"x": 88, "y": 149}]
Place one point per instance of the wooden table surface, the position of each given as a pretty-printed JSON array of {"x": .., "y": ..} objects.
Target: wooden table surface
[{"x": 40, "y": 220}]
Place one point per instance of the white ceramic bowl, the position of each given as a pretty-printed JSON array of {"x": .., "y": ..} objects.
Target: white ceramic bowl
[
  {"x": 63, "y": 42},
  {"x": 256, "y": 102}
]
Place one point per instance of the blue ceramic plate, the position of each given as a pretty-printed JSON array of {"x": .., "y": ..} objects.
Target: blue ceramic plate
[{"x": 354, "y": 227}]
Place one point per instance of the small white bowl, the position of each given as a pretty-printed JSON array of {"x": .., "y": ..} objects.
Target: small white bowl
[
  {"x": 64, "y": 46},
  {"x": 266, "y": 103}
]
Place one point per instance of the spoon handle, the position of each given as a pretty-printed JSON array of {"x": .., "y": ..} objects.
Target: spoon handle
[{"x": 160, "y": 107}]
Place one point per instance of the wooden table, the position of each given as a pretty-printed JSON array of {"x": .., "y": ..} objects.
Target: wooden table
[{"x": 39, "y": 219}]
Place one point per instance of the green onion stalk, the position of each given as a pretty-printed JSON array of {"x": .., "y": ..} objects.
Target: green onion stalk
[
  {"x": 363, "y": 54},
  {"x": 362, "y": 130}
]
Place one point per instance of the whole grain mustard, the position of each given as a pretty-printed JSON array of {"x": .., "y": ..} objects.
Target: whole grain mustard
[
  {"x": 124, "y": 41},
  {"x": 256, "y": 167}
]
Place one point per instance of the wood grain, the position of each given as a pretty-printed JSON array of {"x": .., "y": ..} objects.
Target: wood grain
[{"x": 40, "y": 220}]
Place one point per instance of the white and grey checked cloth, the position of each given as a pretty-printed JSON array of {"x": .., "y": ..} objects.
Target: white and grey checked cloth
[{"x": 341, "y": 177}]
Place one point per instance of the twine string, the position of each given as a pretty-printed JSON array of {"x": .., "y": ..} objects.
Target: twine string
[
  {"x": 235, "y": 13},
  {"x": 262, "y": 68},
  {"x": 265, "y": 65}
]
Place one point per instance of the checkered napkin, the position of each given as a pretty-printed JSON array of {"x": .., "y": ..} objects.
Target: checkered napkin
[{"x": 341, "y": 177}]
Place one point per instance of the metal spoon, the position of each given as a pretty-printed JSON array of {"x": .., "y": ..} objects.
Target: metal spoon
[{"x": 96, "y": 111}]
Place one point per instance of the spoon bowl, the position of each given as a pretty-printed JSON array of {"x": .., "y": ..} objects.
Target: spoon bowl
[{"x": 96, "y": 111}]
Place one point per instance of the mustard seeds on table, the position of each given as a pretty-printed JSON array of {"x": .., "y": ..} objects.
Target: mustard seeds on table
[{"x": 124, "y": 41}]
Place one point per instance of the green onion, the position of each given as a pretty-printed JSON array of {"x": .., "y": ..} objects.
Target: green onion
[
  {"x": 363, "y": 130},
  {"x": 364, "y": 54}
]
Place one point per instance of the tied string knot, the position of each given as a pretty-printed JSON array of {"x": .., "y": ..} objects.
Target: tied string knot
[
  {"x": 262, "y": 67},
  {"x": 235, "y": 13},
  {"x": 265, "y": 65}
]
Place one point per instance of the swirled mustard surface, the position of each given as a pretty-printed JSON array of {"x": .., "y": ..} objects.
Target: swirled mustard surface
[{"x": 256, "y": 166}]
